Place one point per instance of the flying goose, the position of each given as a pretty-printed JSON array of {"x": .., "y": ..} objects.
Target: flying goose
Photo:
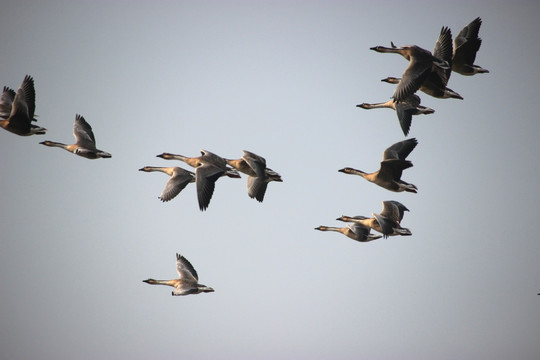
[
  {"x": 392, "y": 165},
  {"x": 355, "y": 231},
  {"x": 421, "y": 62},
  {"x": 17, "y": 109},
  {"x": 387, "y": 222},
  {"x": 404, "y": 110},
  {"x": 259, "y": 175},
  {"x": 437, "y": 79},
  {"x": 466, "y": 45},
  {"x": 188, "y": 281},
  {"x": 85, "y": 142},
  {"x": 179, "y": 179},
  {"x": 208, "y": 168}
]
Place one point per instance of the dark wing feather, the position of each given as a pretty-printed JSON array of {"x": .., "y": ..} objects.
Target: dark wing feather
[
  {"x": 400, "y": 150},
  {"x": 444, "y": 51},
  {"x": 206, "y": 177}
]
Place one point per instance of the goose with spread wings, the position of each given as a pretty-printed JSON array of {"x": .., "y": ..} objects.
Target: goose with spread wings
[
  {"x": 188, "y": 281},
  {"x": 85, "y": 142},
  {"x": 392, "y": 165},
  {"x": 179, "y": 179},
  {"x": 17, "y": 109}
]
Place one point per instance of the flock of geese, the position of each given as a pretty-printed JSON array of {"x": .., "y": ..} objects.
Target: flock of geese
[{"x": 427, "y": 72}]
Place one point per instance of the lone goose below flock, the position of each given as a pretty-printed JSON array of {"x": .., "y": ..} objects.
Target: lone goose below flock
[{"x": 188, "y": 281}]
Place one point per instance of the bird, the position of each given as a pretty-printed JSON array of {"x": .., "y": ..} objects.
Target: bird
[
  {"x": 85, "y": 142},
  {"x": 421, "y": 62},
  {"x": 17, "y": 109},
  {"x": 254, "y": 166},
  {"x": 208, "y": 168},
  {"x": 437, "y": 79},
  {"x": 387, "y": 222},
  {"x": 466, "y": 45},
  {"x": 392, "y": 165},
  {"x": 355, "y": 231},
  {"x": 6, "y": 102},
  {"x": 179, "y": 179},
  {"x": 188, "y": 281},
  {"x": 404, "y": 110}
]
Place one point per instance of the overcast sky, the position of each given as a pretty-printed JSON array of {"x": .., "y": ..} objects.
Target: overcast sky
[{"x": 281, "y": 79}]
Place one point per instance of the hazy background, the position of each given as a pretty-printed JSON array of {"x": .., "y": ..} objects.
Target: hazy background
[{"x": 281, "y": 79}]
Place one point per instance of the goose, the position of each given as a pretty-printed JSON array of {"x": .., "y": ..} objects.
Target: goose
[
  {"x": 355, "y": 231},
  {"x": 437, "y": 79},
  {"x": 466, "y": 45},
  {"x": 404, "y": 110},
  {"x": 188, "y": 281},
  {"x": 421, "y": 62},
  {"x": 393, "y": 163},
  {"x": 387, "y": 222},
  {"x": 179, "y": 179},
  {"x": 85, "y": 142},
  {"x": 259, "y": 175},
  {"x": 17, "y": 109},
  {"x": 6, "y": 102},
  {"x": 208, "y": 168}
]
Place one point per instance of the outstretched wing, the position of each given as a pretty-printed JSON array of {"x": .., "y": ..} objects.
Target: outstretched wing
[
  {"x": 400, "y": 150},
  {"x": 83, "y": 133},
  {"x": 176, "y": 184},
  {"x": 185, "y": 270}
]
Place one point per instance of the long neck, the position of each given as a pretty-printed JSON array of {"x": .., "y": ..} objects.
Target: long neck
[
  {"x": 157, "y": 168},
  {"x": 352, "y": 171},
  {"x": 383, "y": 49},
  {"x": 388, "y": 105},
  {"x": 169, "y": 156},
  {"x": 56, "y": 144},
  {"x": 160, "y": 282},
  {"x": 363, "y": 221},
  {"x": 332, "y": 228}
]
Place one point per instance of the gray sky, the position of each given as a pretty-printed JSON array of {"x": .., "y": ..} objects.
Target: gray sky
[{"x": 280, "y": 79}]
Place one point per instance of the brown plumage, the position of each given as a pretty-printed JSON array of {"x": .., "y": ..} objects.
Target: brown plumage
[
  {"x": 85, "y": 142},
  {"x": 209, "y": 167},
  {"x": 17, "y": 109},
  {"x": 394, "y": 162},
  {"x": 188, "y": 281},
  {"x": 259, "y": 175}
]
